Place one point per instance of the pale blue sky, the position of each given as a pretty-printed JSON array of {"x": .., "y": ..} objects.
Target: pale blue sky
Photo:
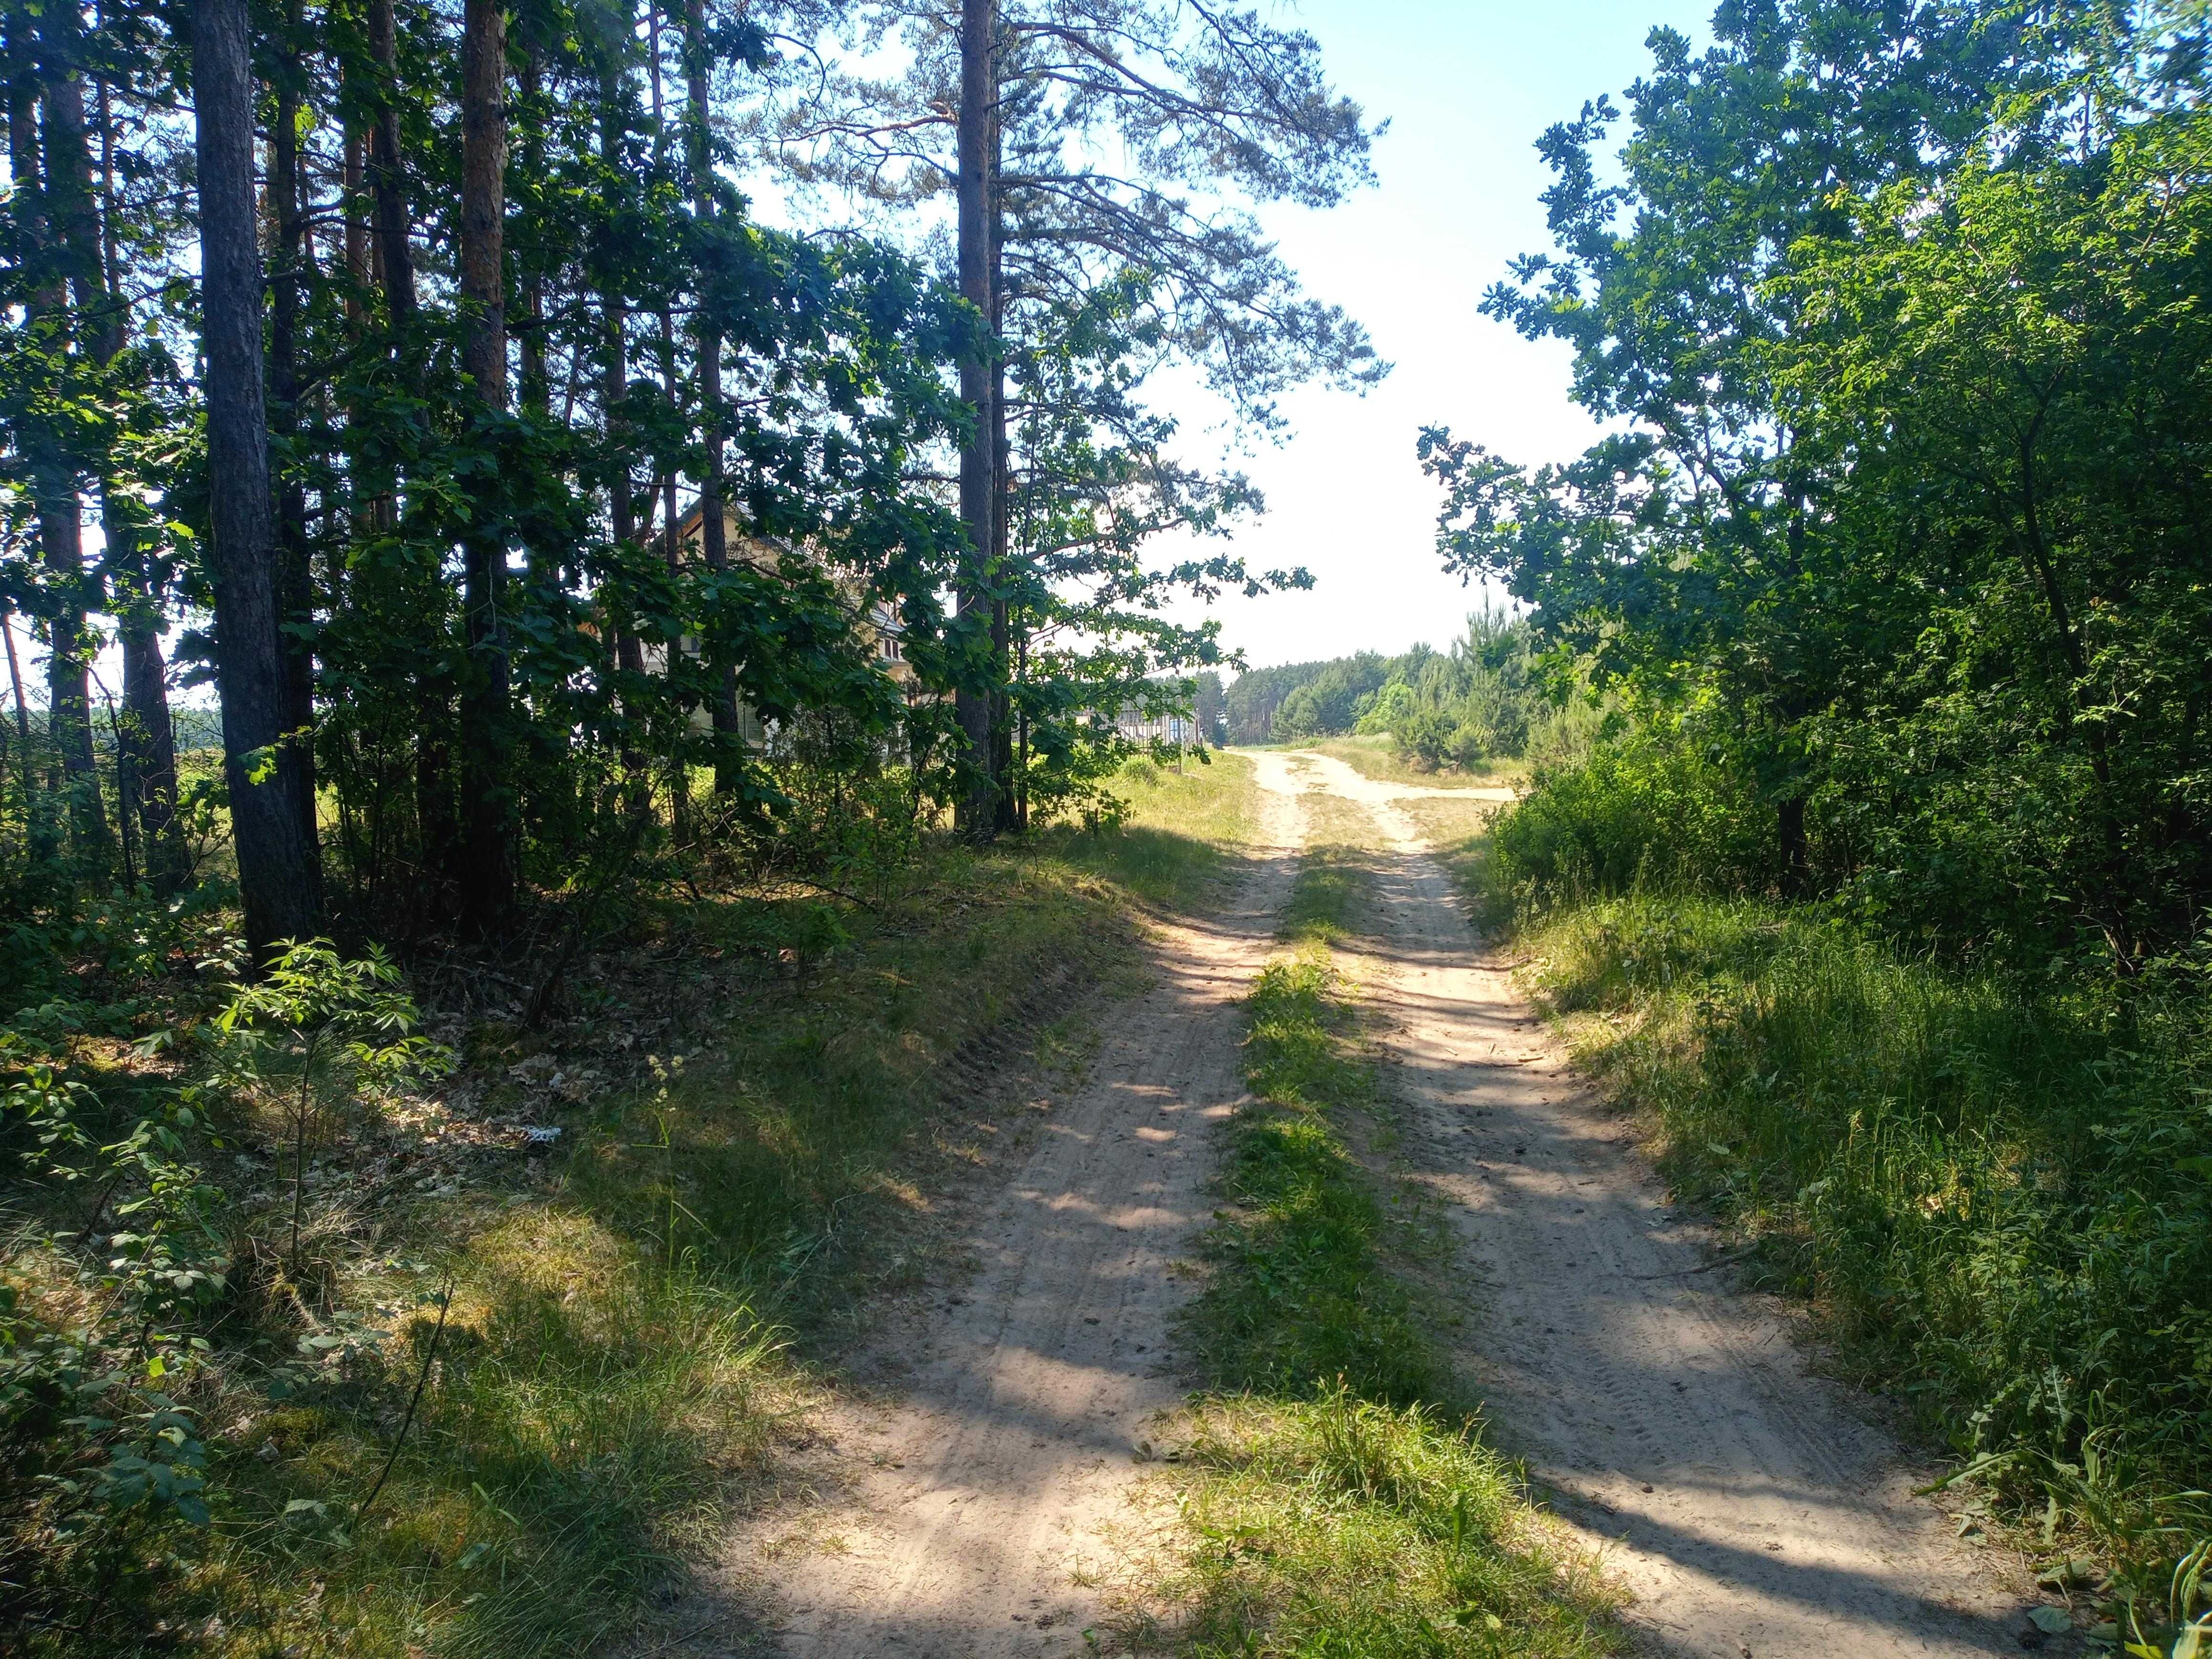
[{"x": 1466, "y": 87}]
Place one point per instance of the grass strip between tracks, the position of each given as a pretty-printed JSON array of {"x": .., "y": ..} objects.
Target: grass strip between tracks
[{"x": 1337, "y": 1497}]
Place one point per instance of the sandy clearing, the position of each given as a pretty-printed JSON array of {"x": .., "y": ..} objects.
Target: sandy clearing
[
  {"x": 1343, "y": 779},
  {"x": 1753, "y": 1509},
  {"x": 1014, "y": 1400}
]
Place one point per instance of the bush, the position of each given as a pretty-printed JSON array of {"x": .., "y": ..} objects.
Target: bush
[
  {"x": 1644, "y": 809},
  {"x": 1435, "y": 738},
  {"x": 1391, "y": 708}
]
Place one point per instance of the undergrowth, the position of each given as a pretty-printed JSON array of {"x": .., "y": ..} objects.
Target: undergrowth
[
  {"x": 1336, "y": 1495},
  {"x": 542, "y": 1320}
]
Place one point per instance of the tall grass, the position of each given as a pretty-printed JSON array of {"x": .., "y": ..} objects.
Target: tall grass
[
  {"x": 1999, "y": 1197},
  {"x": 1178, "y": 831},
  {"x": 590, "y": 1418}
]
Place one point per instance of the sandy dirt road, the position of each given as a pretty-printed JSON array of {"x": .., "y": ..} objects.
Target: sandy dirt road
[
  {"x": 1752, "y": 1508},
  {"x": 1019, "y": 1396}
]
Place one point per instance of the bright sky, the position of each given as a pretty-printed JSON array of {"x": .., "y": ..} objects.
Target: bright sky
[{"x": 1468, "y": 85}]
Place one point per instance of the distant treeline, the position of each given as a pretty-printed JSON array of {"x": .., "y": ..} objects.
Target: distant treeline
[
  {"x": 1479, "y": 699},
  {"x": 196, "y": 726}
]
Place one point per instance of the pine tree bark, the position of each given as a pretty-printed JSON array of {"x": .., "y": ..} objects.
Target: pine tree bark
[
  {"x": 487, "y": 783},
  {"x": 628, "y": 651},
  {"x": 437, "y": 833},
  {"x": 295, "y": 581},
  {"x": 976, "y": 811},
  {"x": 150, "y": 738},
  {"x": 66, "y": 186},
  {"x": 279, "y": 872},
  {"x": 146, "y": 744},
  {"x": 29, "y": 226},
  {"x": 536, "y": 386},
  {"x": 387, "y": 174},
  {"x": 1008, "y": 806},
  {"x": 355, "y": 186},
  {"x": 714, "y": 534}
]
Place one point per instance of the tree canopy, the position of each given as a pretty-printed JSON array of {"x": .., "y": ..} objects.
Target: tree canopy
[
  {"x": 439, "y": 398},
  {"x": 1897, "y": 312}
]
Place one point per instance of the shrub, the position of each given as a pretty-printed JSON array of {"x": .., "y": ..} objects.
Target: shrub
[{"x": 1646, "y": 809}]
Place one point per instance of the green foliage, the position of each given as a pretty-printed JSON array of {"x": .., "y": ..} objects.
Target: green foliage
[
  {"x": 1899, "y": 316},
  {"x": 1253, "y": 699},
  {"x": 1329, "y": 704},
  {"x": 1651, "y": 808},
  {"x": 110, "y": 1346},
  {"x": 1486, "y": 698}
]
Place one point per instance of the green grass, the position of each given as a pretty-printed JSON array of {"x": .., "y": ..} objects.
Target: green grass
[
  {"x": 1335, "y": 1496},
  {"x": 1302, "y": 1299},
  {"x": 1180, "y": 834},
  {"x": 1340, "y": 1526},
  {"x": 636, "y": 1322},
  {"x": 1995, "y": 1196}
]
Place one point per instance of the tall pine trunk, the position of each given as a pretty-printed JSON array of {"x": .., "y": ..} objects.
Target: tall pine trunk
[
  {"x": 146, "y": 756},
  {"x": 1008, "y": 808},
  {"x": 487, "y": 784},
  {"x": 149, "y": 739},
  {"x": 976, "y": 706},
  {"x": 436, "y": 832},
  {"x": 72, "y": 593},
  {"x": 295, "y": 584},
  {"x": 356, "y": 187},
  {"x": 714, "y": 534},
  {"x": 628, "y": 651},
  {"x": 387, "y": 174},
  {"x": 279, "y": 872},
  {"x": 29, "y": 226}
]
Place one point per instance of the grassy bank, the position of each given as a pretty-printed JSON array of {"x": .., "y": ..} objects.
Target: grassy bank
[
  {"x": 1992, "y": 1194},
  {"x": 494, "y": 1396},
  {"x": 1336, "y": 1497}
]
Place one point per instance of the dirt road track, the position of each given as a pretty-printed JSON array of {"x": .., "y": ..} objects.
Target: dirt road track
[
  {"x": 1024, "y": 1392},
  {"x": 1750, "y": 1506}
]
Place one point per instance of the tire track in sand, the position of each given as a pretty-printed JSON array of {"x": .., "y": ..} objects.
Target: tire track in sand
[
  {"x": 1752, "y": 1508},
  {"x": 1022, "y": 1392}
]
